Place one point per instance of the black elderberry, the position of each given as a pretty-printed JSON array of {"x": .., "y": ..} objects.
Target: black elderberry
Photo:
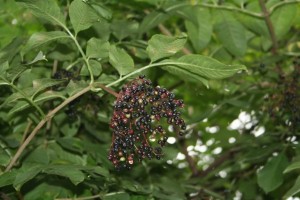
[{"x": 136, "y": 122}]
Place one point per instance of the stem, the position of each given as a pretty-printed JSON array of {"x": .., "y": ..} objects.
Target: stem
[
  {"x": 41, "y": 124},
  {"x": 107, "y": 89},
  {"x": 81, "y": 52},
  {"x": 270, "y": 26}
]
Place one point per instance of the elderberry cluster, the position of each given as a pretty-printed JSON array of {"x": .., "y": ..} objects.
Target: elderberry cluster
[{"x": 140, "y": 112}]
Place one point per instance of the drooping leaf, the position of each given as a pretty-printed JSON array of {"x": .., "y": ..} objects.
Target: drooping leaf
[
  {"x": 294, "y": 190},
  {"x": 46, "y": 9},
  {"x": 293, "y": 166},
  {"x": 117, "y": 196},
  {"x": 232, "y": 35},
  {"x": 82, "y": 15},
  {"x": 161, "y": 46},
  {"x": 41, "y": 38},
  {"x": 282, "y": 19},
  {"x": 97, "y": 48},
  {"x": 120, "y": 60},
  {"x": 203, "y": 66},
  {"x": 69, "y": 171},
  {"x": 271, "y": 176}
]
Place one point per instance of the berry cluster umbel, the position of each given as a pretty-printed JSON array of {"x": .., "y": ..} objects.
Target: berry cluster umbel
[{"x": 140, "y": 112}]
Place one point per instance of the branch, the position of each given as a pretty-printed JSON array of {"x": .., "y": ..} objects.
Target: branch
[
  {"x": 270, "y": 26},
  {"x": 41, "y": 124}
]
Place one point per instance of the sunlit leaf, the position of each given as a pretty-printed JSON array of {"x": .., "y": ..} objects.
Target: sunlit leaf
[
  {"x": 120, "y": 60},
  {"x": 161, "y": 46}
]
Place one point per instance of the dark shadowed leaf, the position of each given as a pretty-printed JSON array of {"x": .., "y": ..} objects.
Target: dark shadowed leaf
[
  {"x": 7, "y": 178},
  {"x": 294, "y": 190},
  {"x": 117, "y": 196},
  {"x": 26, "y": 173},
  {"x": 293, "y": 166},
  {"x": 69, "y": 171},
  {"x": 271, "y": 176}
]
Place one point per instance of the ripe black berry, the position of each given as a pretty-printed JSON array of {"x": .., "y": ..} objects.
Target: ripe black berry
[{"x": 137, "y": 122}]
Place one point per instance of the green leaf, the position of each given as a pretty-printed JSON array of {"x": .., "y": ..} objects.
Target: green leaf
[
  {"x": 4, "y": 158},
  {"x": 117, "y": 196},
  {"x": 161, "y": 46},
  {"x": 46, "y": 9},
  {"x": 40, "y": 56},
  {"x": 123, "y": 28},
  {"x": 38, "y": 155},
  {"x": 41, "y": 38},
  {"x": 21, "y": 105},
  {"x": 282, "y": 19},
  {"x": 152, "y": 20},
  {"x": 25, "y": 174},
  {"x": 293, "y": 166},
  {"x": 120, "y": 60},
  {"x": 271, "y": 176},
  {"x": 186, "y": 75},
  {"x": 232, "y": 35},
  {"x": 7, "y": 178},
  {"x": 8, "y": 52},
  {"x": 41, "y": 84},
  {"x": 70, "y": 171},
  {"x": 70, "y": 143},
  {"x": 97, "y": 170},
  {"x": 203, "y": 66},
  {"x": 294, "y": 190},
  {"x": 96, "y": 67},
  {"x": 97, "y": 48},
  {"x": 74, "y": 87},
  {"x": 14, "y": 72},
  {"x": 3, "y": 67},
  {"x": 199, "y": 28},
  {"x": 82, "y": 15}
]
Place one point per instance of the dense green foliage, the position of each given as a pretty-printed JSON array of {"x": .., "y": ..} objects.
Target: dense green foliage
[{"x": 234, "y": 63}]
